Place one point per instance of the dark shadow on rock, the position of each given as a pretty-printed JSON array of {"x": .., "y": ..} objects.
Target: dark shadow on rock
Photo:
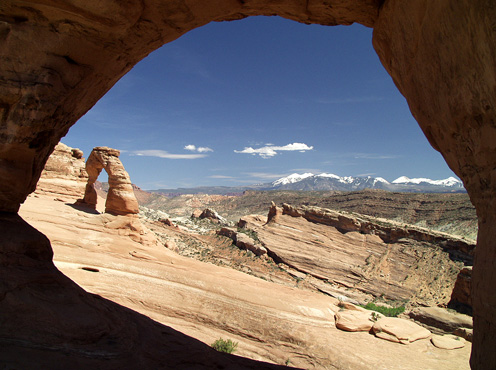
[
  {"x": 47, "y": 321},
  {"x": 80, "y": 206}
]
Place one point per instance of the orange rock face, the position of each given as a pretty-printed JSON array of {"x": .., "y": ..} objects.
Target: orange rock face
[
  {"x": 64, "y": 174},
  {"x": 58, "y": 58},
  {"x": 120, "y": 198}
]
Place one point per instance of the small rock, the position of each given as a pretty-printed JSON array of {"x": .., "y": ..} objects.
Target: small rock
[{"x": 166, "y": 222}]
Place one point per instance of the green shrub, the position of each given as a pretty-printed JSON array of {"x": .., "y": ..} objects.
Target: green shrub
[
  {"x": 251, "y": 233},
  {"x": 226, "y": 346},
  {"x": 386, "y": 311}
]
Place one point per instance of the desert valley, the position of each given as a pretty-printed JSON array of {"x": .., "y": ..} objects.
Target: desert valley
[{"x": 287, "y": 282}]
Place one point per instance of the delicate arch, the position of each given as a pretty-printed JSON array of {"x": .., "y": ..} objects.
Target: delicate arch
[{"x": 120, "y": 197}]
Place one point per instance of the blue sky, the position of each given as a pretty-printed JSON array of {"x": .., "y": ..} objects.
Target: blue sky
[{"x": 250, "y": 101}]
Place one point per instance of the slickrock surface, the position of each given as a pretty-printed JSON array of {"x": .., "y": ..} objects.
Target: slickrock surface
[{"x": 270, "y": 321}]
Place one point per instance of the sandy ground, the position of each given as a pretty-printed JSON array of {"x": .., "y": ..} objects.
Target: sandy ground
[{"x": 271, "y": 322}]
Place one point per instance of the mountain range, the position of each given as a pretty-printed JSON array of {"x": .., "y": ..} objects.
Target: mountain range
[{"x": 327, "y": 182}]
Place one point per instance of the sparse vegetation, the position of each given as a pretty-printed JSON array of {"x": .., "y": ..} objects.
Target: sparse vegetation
[
  {"x": 251, "y": 233},
  {"x": 374, "y": 317},
  {"x": 386, "y": 311},
  {"x": 226, "y": 346}
]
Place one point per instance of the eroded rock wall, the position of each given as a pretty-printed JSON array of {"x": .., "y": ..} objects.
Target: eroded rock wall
[
  {"x": 374, "y": 256},
  {"x": 389, "y": 231},
  {"x": 64, "y": 173},
  {"x": 442, "y": 56}
]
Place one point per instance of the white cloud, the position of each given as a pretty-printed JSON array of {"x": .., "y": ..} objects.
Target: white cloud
[
  {"x": 271, "y": 150},
  {"x": 200, "y": 149},
  {"x": 167, "y": 155},
  {"x": 220, "y": 177}
]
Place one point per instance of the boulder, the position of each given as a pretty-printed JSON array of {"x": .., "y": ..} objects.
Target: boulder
[
  {"x": 447, "y": 341},
  {"x": 356, "y": 319},
  {"x": 212, "y": 215},
  {"x": 399, "y": 330}
]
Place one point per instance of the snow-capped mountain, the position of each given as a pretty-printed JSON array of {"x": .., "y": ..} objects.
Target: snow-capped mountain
[
  {"x": 450, "y": 181},
  {"x": 291, "y": 179},
  {"x": 327, "y": 181}
]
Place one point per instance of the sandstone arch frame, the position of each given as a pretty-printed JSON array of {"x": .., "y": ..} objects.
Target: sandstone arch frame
[{"x": 59, "y": 57}]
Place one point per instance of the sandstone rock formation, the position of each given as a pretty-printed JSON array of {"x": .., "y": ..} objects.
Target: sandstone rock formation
[
  {"x": 243, "y": 241},
  {"x": 399, "y": 330},
  {"x": 350, "y": 250},
  {"x": 441, "y": 320},
  {"x": 445, "y": 71},
  {"x": 461, "y": 298},
  {"x": 120, "y": 196},
  {"x": 64, "y": 173},
  {"x": 212, "y": 215},
  {"x": 356, "y": 319},
  {"x": 389, "y": 232},
  {"x": 448, "y": 341}
]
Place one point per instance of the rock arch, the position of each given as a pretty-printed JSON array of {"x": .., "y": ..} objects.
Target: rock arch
[
  {"x": 58, "y": 58},
  {"x": 120, "y": 198}
]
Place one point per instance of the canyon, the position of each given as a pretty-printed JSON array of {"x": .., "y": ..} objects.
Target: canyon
[{"x": 196, "y": 284}]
